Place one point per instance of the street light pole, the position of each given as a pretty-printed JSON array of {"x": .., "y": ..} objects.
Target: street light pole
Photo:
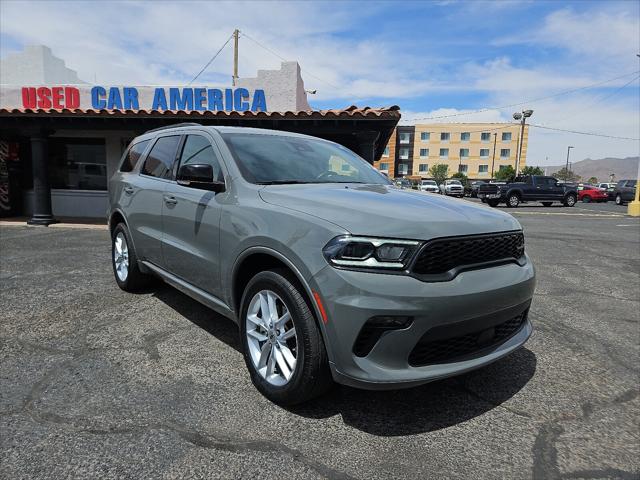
[
  {"x": 523, "y": 117},
  {"x": 566, "y": 168},
  {"x": 493, "y": 161}
]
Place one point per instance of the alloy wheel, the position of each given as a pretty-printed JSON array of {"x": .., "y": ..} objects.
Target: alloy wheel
[
  {"x": 571, "y": 200},
  {"x": 271, "y": 338},
  {"x": 121, "y": 256}
]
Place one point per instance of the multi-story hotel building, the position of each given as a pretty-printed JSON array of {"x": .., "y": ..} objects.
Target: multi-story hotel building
[{"x": 475, "y": 149}]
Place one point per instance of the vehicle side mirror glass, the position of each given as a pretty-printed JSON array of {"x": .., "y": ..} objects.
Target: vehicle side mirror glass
[{"x": 199, "y": 176}]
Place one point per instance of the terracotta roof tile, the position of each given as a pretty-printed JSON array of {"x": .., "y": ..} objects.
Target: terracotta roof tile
[{"x": 351, "y": 111}]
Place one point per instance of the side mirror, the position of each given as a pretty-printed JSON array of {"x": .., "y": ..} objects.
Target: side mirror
[{"x": 199, "y": 176}]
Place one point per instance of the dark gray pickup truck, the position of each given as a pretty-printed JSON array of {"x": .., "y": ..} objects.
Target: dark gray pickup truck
[{"x": 528, "y": 188}]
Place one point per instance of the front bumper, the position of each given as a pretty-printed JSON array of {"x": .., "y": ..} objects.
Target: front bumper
[{"x": 351, "y": 298}]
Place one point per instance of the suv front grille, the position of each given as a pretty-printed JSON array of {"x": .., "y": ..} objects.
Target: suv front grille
[
  {"x": 442, "y": 255},
  {"x": 455, "y": 348}
]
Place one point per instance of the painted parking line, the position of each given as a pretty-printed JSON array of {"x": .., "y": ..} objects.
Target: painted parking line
[{"x": 610, "y": 215}]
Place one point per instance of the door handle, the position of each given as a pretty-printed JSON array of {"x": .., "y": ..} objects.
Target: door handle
[
  {"x": 170, "y": 200},
  {"x": 128, "y": 190}
]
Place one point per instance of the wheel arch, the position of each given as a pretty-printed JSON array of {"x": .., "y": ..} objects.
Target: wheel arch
[{"x": 257, "y": 259}]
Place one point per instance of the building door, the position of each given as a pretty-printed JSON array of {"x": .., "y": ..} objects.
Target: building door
[{"x": 191, "y": 221}]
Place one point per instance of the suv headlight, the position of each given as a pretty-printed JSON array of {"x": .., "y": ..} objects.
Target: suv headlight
[{"x": 370, "y": 253}]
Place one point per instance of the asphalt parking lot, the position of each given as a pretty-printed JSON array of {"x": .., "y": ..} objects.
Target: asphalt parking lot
[{"x": 98, "y": 383}]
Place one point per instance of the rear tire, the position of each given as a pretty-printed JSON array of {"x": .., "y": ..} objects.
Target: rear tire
[
  {"x": 546, "y": 204},
  {"x": 125, "y": 261},
  {"x": 493, "y": 203},
  {"x": 513, "y": 200},
  {"x": 586, "y": 199},
  {"x": 295, "y": 367},
  {"x": 569, "y": 200},
  {"x": 619, "y": 200}
]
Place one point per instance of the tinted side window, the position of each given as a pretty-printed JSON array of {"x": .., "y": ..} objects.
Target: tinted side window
[
  {"x": 198, "y": 150},
  {"x": 621, "y": 183},
  {"x": 631, "y": 183},
  {"x": 132, "y": 156},
  {"x": 160, "y": 160}
]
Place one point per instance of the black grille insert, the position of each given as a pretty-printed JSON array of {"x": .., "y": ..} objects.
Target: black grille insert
[
  {"x": 447, "y": 350},
  {"x": 444, "y": 254}
]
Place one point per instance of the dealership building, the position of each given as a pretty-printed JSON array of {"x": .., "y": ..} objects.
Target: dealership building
[{"x": 62, "y": 138}]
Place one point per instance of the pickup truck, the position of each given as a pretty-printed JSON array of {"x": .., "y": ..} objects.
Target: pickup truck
[{"x": 528, "y": 188}]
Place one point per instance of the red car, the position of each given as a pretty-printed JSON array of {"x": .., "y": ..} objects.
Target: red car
[{"x": 592, "y": 194}]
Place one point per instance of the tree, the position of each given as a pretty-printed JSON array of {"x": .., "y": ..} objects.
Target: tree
[
  {"x": 592, "y": 180},
  {"x": 462, "y": 177},
  {"x": 439, "y": 172},
  {"x": 532, "y": 171},
  {"x": 506, "y": 174},
  {"x": 566, "y": 175}
]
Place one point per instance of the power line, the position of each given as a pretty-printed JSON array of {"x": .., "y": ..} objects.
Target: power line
[
  {"x": 284, "y": 60},
  {"x": 584, "y": 133},
  {"x": 488, "y": 109},
  {"x": 210, "y": 61}
]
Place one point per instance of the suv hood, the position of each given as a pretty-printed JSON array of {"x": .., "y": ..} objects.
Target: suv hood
[{"x": 386, "y": 211}]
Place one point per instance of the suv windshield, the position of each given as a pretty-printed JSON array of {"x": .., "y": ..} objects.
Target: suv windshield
[{"x": 275, "y": 159}]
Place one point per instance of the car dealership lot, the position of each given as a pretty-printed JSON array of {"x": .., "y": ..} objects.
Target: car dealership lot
[{"x": 100, "y": 383}]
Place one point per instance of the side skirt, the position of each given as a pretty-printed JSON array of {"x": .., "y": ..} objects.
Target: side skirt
[{"x": 201, "y": 296}]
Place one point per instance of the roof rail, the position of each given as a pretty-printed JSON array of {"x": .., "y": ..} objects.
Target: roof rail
[{"x": 175, "y": 125}]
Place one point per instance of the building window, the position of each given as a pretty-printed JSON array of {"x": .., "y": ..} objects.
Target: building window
[
  {"x": 465, "y": 136},
  {"x": 404, "y": 153},
  {"x": 405, "y": 137},
  {"x": 424, "y": 153},
  {"x": 386, "y": 151},
  {"x": 464, "y": 152},
  {"x": 78, "y": 163},
  {"x": 445, "y": 136},
  {"x": 484, "y": 153},
  {"x": 403, "y": 168},
  {"x": 384, "y": 167},
  {"x": 425, "y": 136},
  {"x": 444, "y": 153},
  {"x": 505, "y": 153},
  {"x": 423, "y": 167},
  {"x": 483, "y": 168},
  {"x": 506, "y": 136},
  {"x": 462, "y": 168},
  {"x": 485, "y": 136}
]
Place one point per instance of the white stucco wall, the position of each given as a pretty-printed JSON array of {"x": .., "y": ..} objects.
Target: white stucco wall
[{"x": 36, "y": 65}]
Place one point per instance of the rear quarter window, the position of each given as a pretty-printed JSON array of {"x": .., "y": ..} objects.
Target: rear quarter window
[{"x": 132, "y": 156}]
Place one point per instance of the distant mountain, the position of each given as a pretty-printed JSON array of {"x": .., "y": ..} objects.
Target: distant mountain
[{"x": 601, "y": 168}]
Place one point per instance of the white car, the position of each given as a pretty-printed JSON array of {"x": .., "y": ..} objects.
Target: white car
[
  {"x": 453, "y": 188},
  {"x": 429, "y": 186}
]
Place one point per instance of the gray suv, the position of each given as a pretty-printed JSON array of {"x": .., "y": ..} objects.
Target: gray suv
[{"x": 330, "y": 271}]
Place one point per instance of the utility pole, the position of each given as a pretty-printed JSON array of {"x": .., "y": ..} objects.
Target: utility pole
[
  {"x": 493, "y": 161},
  {"x": 235, "y": 57},
  {"x": 566, "y": 168}
]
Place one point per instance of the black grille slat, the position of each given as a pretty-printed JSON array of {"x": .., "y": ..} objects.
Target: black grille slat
[
  {"x": 451, "y": 349},
  {"x": 441, "y": 255}
]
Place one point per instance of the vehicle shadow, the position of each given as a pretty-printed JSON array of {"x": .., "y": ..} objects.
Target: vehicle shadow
[
  {"x": 220, "y": 327},
  {"x": 426, "y": 408}
]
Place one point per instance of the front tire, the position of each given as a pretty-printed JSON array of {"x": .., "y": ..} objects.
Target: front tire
[
  {"x": 125, "y": 261},
  {"x": 513, "y": 200},
  {"x": 570, "y": 200},
  {"x": 619, "y": 200},
  {"x": 586, "y": 199},
  {"x": 282, "y": 344}
]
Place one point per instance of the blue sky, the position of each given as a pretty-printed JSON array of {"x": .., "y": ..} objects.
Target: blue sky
[{"x": 432, "y": 58}]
